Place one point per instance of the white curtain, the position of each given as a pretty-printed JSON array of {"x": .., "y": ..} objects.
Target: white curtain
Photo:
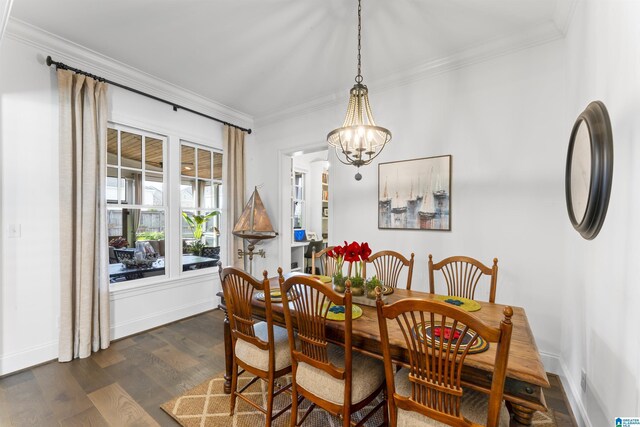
[
  {"x": 233, "y": 181},
  {"x": 84, "y": 279}
]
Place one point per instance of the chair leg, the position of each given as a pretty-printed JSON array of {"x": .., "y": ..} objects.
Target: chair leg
[
  {"x": 270, "y": 390},
  {"x": 346, "y": 417},
  {"x": 234, "y": 387},
  {"x": 385, "y": 408},
  {"x": 294, "y": 405}
]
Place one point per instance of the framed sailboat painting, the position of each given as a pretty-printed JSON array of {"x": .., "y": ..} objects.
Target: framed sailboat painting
[{"x": 415, "y": 194}]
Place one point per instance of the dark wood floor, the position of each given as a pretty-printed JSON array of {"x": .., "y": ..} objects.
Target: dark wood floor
[{"x": 126, "y": 384}]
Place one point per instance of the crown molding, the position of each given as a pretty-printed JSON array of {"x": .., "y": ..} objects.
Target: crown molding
[
  {"x": 548, "y": 32},
  {"x": 78, "y": 56},
  {"x": 5, "y": 11},
  {"x": 563, "y": 15}
]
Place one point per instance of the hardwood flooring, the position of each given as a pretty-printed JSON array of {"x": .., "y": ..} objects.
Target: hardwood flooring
[{"x": 126, "y": 384}]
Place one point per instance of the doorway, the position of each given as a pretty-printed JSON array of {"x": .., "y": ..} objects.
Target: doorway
[{"x": 305, "y": 203}]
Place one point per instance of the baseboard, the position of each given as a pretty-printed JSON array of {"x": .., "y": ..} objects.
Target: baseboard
[
  {"x": 30, "y": 357},
  {"x": 572, "y": 391},
  {"x": 555, "y": 365},
  {"x": 551, "y": 362},
  {"x": 160, "y": 318}
]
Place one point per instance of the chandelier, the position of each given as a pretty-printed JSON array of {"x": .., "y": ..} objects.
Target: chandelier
[{"x": 358, "y": 141}]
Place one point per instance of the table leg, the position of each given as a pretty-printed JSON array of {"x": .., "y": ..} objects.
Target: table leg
[
  {"x": 228, "y": 354},
  {"x": 521, "y": 414}
]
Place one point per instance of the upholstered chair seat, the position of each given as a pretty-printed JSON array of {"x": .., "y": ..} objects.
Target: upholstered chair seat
[
  {"x": 474, "y": 406},
  {"x": 368, "y": 375},
  {"x": 252, "y": 355}
]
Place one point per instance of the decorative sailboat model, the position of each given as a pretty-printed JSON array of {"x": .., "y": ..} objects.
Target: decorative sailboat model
[{"x": 253, "y": 226}]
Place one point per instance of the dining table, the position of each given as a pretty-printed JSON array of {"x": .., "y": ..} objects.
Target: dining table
[{"x": 526, "y": 376}]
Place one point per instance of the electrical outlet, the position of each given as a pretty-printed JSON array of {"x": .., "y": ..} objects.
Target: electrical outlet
[{"x": 583, "y": 380}]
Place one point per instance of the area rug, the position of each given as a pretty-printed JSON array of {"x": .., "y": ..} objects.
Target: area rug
[{"x": 206, "y": 405}]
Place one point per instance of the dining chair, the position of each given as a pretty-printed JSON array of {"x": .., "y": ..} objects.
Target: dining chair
[
  {"x": 313, "y": 246},
  {"x": 327, "y": 264},
  {"x": 438, "y": 338},
  {"x": 462, "y": 275},
  {"x": 121, "y": 254},
  {"x": 211, "y": 252},
  {"x": 330, "y": 376},
  {"x": 259, "y": 348},
  {"x": 388, "y": 266}
]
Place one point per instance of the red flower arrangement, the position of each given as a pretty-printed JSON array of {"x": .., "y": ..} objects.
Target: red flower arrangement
[{"x": 353, "y": 252}]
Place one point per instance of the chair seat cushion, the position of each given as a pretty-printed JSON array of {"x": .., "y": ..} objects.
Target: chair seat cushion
[
  {"x": 474, "y": 406},
  {"x": 367, "y": 376},
  {"x": 253, "y": 356}
]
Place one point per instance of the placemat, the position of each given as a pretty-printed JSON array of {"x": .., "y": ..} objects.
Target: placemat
[
  {"x": 464, "y": 303},
  {"x": 423, "y": 332},
  {"x": 276, "y": 295},
  {"x": 335, "y": 312},
  {"x": 323, "y": 279}
]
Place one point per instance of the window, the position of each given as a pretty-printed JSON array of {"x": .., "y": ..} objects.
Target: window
[
  {"x": 298, "y": 200},
  {"x": 200, "y": 200},
  {"x": 136, "y": 203}
]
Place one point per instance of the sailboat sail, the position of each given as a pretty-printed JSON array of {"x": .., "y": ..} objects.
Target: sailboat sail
[{"x": 254, "y": 222}]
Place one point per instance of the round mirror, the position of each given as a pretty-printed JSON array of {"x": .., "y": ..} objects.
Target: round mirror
[{"x": 589, "y": 170}]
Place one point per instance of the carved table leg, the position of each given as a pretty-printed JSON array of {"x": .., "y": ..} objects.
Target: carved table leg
[
  {"x": 521, "y": 414},
  {"x": 228, "y": 354}
]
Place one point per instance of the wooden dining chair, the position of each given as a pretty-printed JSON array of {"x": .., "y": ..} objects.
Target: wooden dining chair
[
  {"x": 327, "y": 263},
  {"x": 429, "y": 391},
  {"x": 332, "y": 377},
  {"x": 259, "y": 348},
  {"x": 389, "y": 264},
  {"x": 462, "y": 275}
]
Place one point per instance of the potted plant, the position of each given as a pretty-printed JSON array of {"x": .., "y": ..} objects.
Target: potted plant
[
  {"x": 357, "y": 254},
  {"x": 197, "y": 224},
  {"x": 371, "y": 286},
  {"x": 338, "y": 279}
]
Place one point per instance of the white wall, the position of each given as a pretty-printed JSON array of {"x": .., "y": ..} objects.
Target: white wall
[
  {"x": 29, "y": 291},
  {"x": 500, "y": 121},
  {"x": 600, "y": 294}
]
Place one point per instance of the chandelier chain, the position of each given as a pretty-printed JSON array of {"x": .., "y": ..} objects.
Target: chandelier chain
[{"x": 359, "y": 76}]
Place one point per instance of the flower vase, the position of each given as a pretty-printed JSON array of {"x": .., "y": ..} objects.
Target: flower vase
[
  {"x": 357, "y": 286},
  {"x": 338, "y": 282}
]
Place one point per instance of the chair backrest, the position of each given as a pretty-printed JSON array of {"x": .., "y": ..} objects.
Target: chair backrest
[
  {"x": 388, "y": 265},
  {"x": 329, "y": 267},
  {"x": 211, "y": 252},
  {"x": 462, "y": 275},
  {"x": 435, "y": 365},
  {"x": 309, "y": 300},
  {"x": 315, "y": 246},
  {"x": 121, "y": 254},
  {"x": 239, "y": 288}
]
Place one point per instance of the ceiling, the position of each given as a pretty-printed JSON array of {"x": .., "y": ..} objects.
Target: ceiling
[{"x": 263, "y": 56}]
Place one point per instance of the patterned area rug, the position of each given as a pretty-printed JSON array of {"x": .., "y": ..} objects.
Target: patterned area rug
[{"x": 206, "y": 405}]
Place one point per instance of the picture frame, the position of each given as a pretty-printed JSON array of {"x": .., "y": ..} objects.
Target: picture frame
[
  {"x": 415, "y": 194},
  {"x": 325, "y": 212},
  {"x": 589, "y": 171}
]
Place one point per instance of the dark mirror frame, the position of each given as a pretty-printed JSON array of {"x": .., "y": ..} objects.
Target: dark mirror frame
[{"x": 596, "y": 117}]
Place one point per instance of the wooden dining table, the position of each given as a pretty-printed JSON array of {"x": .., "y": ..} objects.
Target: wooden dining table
[{"x": 526, "y": 376}]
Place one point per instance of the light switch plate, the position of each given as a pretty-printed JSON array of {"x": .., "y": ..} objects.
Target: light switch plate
[{"x": 14, "y": 230}]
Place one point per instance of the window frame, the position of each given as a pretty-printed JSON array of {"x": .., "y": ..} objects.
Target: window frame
[{"x": 198, "y": 207}]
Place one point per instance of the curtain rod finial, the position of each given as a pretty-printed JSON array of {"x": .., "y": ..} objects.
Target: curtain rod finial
[
  {"x": 249, "y": 131},
  {"x": 49, "y": 61}
]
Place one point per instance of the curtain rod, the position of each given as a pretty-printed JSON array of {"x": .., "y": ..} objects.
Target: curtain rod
[{"x": 175, "y": 106}]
